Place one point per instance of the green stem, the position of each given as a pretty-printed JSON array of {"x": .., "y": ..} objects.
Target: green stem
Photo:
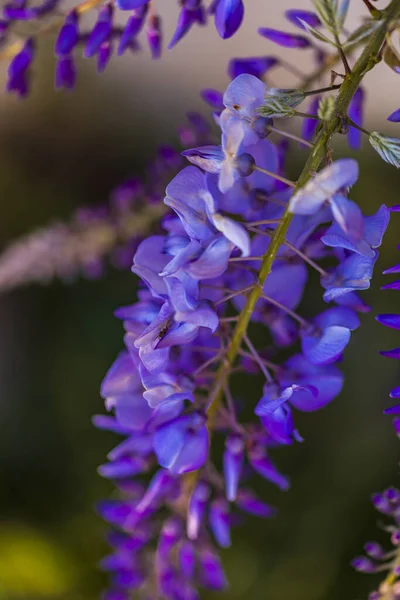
[{"x": 365, "y": 63}]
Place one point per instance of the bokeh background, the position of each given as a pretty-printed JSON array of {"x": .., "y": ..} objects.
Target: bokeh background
[{"x": 59, "y": 151}]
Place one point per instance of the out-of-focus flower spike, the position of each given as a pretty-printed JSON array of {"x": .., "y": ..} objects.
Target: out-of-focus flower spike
[
  {"x": 295, "y": 16},
  {"x": 101, "y": 32},
  {"x": 355, "y": 113},
  {"x": 18, "y": 69},
  {"x": 233, "y": 464},
  {"x": 228, "y": 17},
  {"x": 257, "y": 66},
  {"x": 282, "y": 38},
  {"x": 68, "y": 36},
  {"x": 154, "y": 36},
  {"x": 65, "y": 73}
]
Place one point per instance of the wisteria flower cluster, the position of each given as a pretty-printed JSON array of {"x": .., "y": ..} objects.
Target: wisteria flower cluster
[
  {"x": 222, "y": 276},
  {"x": 105, "y": 37}
]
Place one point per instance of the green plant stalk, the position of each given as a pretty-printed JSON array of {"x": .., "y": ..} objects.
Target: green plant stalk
[{"x": 368, "y": 59}]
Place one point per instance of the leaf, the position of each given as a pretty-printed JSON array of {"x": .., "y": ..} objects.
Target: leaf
[
  {"x": 289, "y": 97},
  {"x": 273, "y": 107},
  {"x": 391, "y": 56},
  {"x": 361, "y": 33},
  {"x": 317, "y": 34},
  {"x": 328, "y": 13},
  {"x": 388, "y": 148},
  {"x": 342, "y": 13}
]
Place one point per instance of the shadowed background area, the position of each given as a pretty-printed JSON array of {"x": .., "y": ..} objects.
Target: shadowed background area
[{"x": 62, "y": 151}]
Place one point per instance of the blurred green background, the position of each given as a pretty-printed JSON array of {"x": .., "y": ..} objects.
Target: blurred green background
[{"x": 61, "y": 151}]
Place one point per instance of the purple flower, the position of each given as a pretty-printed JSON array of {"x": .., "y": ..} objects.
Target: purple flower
[
  {"x": 287, "y": 40},
  {"x": 326, "y": 379},
  {"x": 154, "y": 36},
  {"x": 233, "y": 464},
  {"x": 395, "y": 116},
  {"x": 18, "y": 69},
  {"x": 132, "y": 4},
  {"x": 213, "y": 98},
  {"x": 192, "y": 12},
  {"x": 220, "y": 522},
  {"x": 372, "y": 233},
  {"x": 354, "y": 273},
  {"x": 228, "y": 17},
  {"x": 101, "y": 32},
  {"x": 295, "y": 16},
  {"x": 325, "y": 340},
  {"x": 68, "y": 36},
  {"x": 256, "y": 66},
  {"x": 182, "y": 444},
  {"x": 133, "y": 26},
  {"x": 65, "y": 73},
  {"x": 309, "y": 126},
  {"x": 355, "y": 112},
  {"x": 325, "y": 186},
  {"x": 241, "y": 99}
]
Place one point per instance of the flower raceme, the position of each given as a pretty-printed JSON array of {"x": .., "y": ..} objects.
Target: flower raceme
[{"x": 196, "y": 278}]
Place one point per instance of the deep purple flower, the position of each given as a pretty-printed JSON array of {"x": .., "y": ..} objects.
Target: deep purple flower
[
  {"x": 228, "y": 17},
  {"x": 154, "y": 36},
  {"x": 131, "y": 4},
  {"x": 395, "y": 116},
  {"x": 287, "y": 40},
  {"x": 101, "y": 32},
  {"x": 214, "y": 98},
  {"x": 18, "y": 73},
  {"x": 295, "y": 16},
  {"x": 65, "y": 73},
  {"x": 309, "y": 126},
  {"x": 355, "y": 112},
  {"x": 103, "y": 56},
  {"x": 192, "y": 12},
  {"x": 257, "y": 66},
  {"x": 69, "y": 34},
  {"x": 132, "y": 27}
]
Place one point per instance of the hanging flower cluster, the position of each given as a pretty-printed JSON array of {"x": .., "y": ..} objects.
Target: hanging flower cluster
[
  {"x": 106, "y": 233},
  {"x": 221, "y": 283},
  {"x": 387, "y": 502},
  {"x": 106, "y": 36},
  {"x": 170, "y": 390}
]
